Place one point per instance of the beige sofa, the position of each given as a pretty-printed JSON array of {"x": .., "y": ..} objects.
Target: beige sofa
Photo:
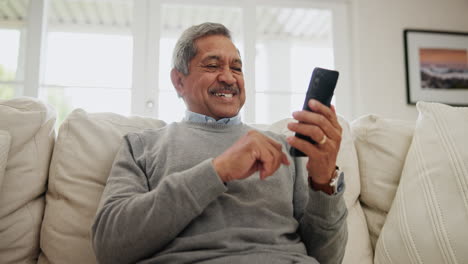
[{"x": 407, "y": 183}]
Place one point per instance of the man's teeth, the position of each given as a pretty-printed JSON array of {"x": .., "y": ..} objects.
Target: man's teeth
[{"x": 223, "y": 95}]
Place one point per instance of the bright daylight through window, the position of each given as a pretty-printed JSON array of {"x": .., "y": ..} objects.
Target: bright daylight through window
[
  {"x": 97, "y": 80},
  {"x": 290, "y": 43},
  {"x": 88, "y": 56},
  {"x": 9, "y": 51}
]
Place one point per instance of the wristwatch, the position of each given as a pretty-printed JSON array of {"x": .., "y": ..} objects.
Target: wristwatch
[
  {"x": 335, "y": 185},
  {"x": 337, "y": 182}
]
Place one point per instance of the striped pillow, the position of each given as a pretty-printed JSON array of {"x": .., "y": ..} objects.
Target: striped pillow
[{"x": 427, "y": 222}]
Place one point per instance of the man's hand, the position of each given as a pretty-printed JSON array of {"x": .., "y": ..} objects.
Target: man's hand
[
  {"x": 322, "y": 157},
  {"x": 253, "y": 152}
]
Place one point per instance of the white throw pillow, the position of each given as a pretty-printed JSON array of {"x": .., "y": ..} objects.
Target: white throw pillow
[
  {"x": 84, "y": 151},
  {"x": 30, "y": 124},
  {"x": 358, "y": 249},
  {"x": 382, "y": 145},
  {"x": 4, "y": 148},
  {"x": 428, "y": 220}
]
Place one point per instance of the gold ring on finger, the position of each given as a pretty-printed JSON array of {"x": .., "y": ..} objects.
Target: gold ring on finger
[{"x": 324, "y": 139}]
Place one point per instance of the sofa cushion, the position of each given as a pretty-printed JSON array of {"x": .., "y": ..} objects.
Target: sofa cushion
[
  {"x": 5, "y": 139},
  {"x": 30, "y": 123},
  {"x": 427, "y": 220},
  {"x": 84, "y": 151},
  {"x": 382, "y": 145},
  {"x": 358, "y": 249}
]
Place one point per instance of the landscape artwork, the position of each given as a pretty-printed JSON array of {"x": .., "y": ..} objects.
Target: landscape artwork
[{"x": 443, "y": 68}]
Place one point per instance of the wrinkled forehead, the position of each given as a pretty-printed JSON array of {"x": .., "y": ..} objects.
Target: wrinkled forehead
[
  {"x": 217, "y": 47},
  {"x": 207, "y": 58}
]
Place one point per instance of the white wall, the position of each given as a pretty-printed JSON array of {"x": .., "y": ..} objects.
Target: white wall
[{"x": 379, "y": 79}]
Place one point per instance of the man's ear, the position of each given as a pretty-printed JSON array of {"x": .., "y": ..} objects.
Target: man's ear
[{"x": 177, "y": 81}]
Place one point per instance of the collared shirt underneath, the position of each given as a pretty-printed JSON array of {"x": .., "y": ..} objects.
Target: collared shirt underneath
[{"x": 199, "y": 118}]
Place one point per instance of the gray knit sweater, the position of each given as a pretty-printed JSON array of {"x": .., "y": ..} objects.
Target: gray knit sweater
[{"x": 164, "y": 203}]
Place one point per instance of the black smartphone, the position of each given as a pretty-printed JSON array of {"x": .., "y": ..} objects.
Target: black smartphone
[{"x": 321, "y": 87}]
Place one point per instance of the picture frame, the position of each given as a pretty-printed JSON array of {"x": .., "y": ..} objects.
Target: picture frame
[{"x": 436, "y": 66}]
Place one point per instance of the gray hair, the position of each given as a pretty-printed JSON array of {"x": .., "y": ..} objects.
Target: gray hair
[{"x": 185, "y": 48}]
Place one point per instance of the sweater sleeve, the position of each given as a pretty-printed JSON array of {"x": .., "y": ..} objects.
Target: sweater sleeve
[
  {"x": 133, "y": 222},
  {"x": 322, "y": 220}
]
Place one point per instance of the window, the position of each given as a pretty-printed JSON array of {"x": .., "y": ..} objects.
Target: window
[
  {"x": 116, "y": 55},
  {"x": 291, "y": 42},
  {"x": 9, "y": 52},
  {"x": 88, "y": 56},
  {"x": 12, "y": 23},
  {"x": 90, "y": 71}
]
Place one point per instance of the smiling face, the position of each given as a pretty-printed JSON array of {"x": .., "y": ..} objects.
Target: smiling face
[{"x": 215, "y": 83}]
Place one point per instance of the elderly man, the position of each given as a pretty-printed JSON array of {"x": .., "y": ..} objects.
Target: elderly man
[{"x": 210, "y": 189}]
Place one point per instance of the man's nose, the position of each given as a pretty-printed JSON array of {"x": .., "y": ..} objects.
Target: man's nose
[{"x": 226, "y": 76}]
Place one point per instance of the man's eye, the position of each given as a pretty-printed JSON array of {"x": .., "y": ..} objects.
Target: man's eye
[
  {"x": 212, "y": 66},
  {"x": 236, "y": 69}
]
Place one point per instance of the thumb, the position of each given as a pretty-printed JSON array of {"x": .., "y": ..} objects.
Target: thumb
[{"x": 284, "y": 159}]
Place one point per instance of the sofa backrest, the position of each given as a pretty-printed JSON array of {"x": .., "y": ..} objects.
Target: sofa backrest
[
  {"x": 82, "y": 157},
  {"x": 28, "y": 125}
]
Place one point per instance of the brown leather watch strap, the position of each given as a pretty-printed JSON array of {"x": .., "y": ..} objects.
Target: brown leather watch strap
[{"x": 326, "y": 188}]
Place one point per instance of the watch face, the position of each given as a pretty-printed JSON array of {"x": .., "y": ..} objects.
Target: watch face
[{"x": 340, "y": 183}]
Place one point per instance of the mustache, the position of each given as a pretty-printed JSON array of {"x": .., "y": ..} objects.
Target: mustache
[{"x": 229, "y": 88}]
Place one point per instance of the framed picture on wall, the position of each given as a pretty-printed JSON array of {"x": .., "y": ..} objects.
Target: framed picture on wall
[{"x": 436, "y": 66}]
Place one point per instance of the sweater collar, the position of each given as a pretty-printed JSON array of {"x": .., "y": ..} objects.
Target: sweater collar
[{"x": 199, "y": 118}]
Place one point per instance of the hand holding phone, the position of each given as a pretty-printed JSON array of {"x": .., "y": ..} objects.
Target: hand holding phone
[{"x": 321, "y": 87}]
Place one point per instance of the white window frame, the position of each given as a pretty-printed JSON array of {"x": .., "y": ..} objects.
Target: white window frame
[{"x": 34, "y": 47}]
